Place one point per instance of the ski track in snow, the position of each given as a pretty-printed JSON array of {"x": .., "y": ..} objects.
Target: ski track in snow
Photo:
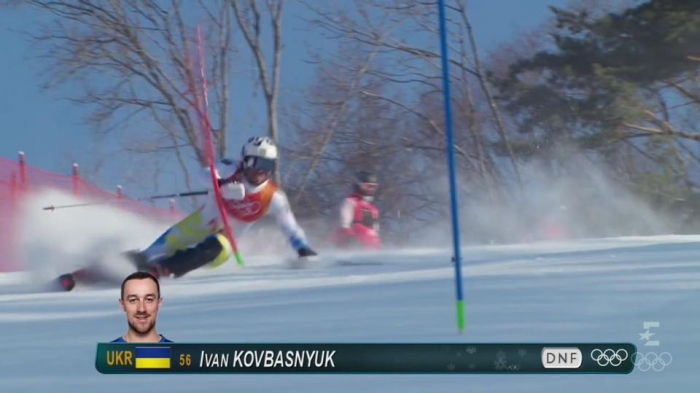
[{"x": 584, "y": 291}]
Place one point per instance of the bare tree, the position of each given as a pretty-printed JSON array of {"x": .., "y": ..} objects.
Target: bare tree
[
  {"x": 136, "y": 64},
  {"x": 249, "y": 20},
  {"x": 479, "y": 72},
  {"x": 411, "y": 47},
  {"x": 330, "y": 129},
  {"x": 346, "y": 122}
]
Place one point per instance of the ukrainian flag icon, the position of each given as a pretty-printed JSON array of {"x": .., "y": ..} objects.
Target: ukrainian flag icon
[{"x": 152, "y": 357}]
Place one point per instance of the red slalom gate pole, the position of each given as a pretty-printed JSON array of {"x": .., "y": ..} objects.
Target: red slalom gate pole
[{"x": 203, "y": 113}]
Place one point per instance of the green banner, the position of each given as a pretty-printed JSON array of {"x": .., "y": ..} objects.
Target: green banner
[{"x": 345, "y": 358}]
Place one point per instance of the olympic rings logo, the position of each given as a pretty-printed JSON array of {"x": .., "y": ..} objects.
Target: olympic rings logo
[
  {"x": 651, "y": 360},
  {"x": 609, "y": 357}
]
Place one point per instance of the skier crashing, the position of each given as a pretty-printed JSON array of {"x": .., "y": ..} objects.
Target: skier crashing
[{"x": 198, "y": 240}]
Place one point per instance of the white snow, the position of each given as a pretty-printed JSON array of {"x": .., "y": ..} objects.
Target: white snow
[{"x": 583, "y": 291}]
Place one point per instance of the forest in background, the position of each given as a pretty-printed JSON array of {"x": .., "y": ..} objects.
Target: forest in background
[{"x": 587, "y": 124}]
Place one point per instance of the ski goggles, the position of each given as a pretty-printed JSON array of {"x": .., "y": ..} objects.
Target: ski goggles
[
  {"x": 258, "y": 164},
  {"x": 369, "y": 187}
]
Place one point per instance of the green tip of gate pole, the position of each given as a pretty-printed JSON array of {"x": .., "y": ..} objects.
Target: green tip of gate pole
[
  {"x": 460, "y": 315},
  {"x": 239, "y": 258}
]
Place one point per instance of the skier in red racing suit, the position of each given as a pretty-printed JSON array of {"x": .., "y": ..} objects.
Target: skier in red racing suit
[{"x": 359, "y": 217}]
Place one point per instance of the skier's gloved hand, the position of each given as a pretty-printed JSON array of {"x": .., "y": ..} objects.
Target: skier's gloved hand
[
  {"x": 306, "y": 252},
  {"x": 232, "y": 191}
]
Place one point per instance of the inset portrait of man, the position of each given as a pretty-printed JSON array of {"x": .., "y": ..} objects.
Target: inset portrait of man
[{"x": 141, "y": 301}]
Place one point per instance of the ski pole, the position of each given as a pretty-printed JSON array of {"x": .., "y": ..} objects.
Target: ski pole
[{"x": 178, "y": 195}]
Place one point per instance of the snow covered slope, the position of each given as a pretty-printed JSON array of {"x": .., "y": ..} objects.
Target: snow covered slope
[{"x": 595, "y": 290}]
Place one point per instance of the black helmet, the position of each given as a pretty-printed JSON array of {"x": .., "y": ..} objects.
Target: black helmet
[{"x": 366, "y": 183}]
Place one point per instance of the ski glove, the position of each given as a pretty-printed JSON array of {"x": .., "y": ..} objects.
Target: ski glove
[{"x": 232, "y": 190}]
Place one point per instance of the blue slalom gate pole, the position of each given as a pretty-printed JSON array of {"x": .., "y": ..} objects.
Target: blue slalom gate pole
[{"x": 451, "y": 163}]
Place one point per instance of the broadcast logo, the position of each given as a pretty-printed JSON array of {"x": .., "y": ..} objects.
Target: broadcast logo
[
  {"x": 609, "y": 357},
  {"x": 651, "y": 360},
  {"x": 647, "y": 334}
]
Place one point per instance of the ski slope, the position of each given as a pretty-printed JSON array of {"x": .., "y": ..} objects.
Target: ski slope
[{"x": 584, "y": 291}]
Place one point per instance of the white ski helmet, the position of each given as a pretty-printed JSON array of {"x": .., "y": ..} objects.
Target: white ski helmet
[{"x": 259, "y": 153}]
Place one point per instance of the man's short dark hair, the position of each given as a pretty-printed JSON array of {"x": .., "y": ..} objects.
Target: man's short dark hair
[{"x": 140, "y": 276}]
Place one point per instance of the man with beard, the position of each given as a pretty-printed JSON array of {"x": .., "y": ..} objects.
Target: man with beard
[{"x": 141, "y": 301}]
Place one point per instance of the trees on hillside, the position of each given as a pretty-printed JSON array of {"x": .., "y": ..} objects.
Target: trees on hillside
[
  {"x": 604, "y": 85},
  {"x": 136, "y": 62},
  {"x": 621, "y": 87}
]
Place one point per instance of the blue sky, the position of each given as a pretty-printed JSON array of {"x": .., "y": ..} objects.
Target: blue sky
[{"x": 50, "y": 130}]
